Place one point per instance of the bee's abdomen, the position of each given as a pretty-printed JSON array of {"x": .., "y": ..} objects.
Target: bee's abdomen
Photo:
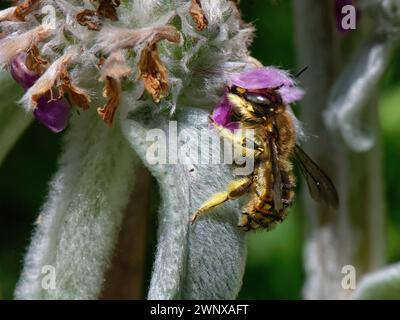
[{"x": 260, "y": 212}]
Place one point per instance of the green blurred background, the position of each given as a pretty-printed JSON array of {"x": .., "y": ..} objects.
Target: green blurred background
[{"x": 274, "y": 266}]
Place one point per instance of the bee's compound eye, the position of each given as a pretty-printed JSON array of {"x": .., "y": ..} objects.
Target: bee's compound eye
[
  {"x": 233, "y": 89},
  {"x": 257, "y": 98}
]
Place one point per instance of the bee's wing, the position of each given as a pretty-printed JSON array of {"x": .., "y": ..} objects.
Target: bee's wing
[
  {"x": 319, "y": 184},
  {"x": 277, "y": 187}
]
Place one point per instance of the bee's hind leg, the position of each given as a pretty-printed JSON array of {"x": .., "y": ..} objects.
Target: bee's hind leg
[{"x": 234, "y": 190}]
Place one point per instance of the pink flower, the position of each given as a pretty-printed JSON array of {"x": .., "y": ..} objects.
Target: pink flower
[
  {"x": 20, "y": 72},
  {"x": 222, "y": 114},
  {"x": 269, "y": 77},
  {"x": 256, "y": 79},
  {"x": 53, "y": 114}
]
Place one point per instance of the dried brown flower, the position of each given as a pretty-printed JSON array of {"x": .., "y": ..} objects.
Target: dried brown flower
[
  {"x": 24, "y": 9},
  {"x": 57, "y": 76},
  {"x": 198, "y": 16},
  {"x": 153, "y": 72},
  {"x": 18, "y": 12},
  {"x": 112, "y": 92},
  {"x": 88, "y": 18},
  {"x": 77, "y": 96},
  {"x": 107, "y": 9},
  {"x": 113, "y": 70},
  {"x": 151, "y": 69},
  {"x": 34, "y": 61},
  {"x": 92, "y": 19},
  {"x": 10, "y": 46}
]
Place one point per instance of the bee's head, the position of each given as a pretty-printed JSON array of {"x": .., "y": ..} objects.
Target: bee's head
[{"x": 257, "y": 103}]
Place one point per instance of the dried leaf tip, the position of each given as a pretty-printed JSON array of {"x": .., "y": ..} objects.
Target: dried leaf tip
[
  {"x": 77, "y": 96},
  {"x": 18, "y": 13},
  {"x": 25, "y": 9},
  {"x": 113, "y": 70},
  {"x": 197, "y": 13},
  {"x": 34, "y": 61},
  {"x": 92, "y": 19},
  {"x": 151, "y": 69},
  {"x": 108, "y": 9},
  {"x": 88, "y": 18}
]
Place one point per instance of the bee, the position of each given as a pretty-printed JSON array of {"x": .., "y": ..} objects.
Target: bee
[{"x": 271, "y": 185}]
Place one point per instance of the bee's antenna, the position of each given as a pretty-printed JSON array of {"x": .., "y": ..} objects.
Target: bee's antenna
[
  {"x": 296, "y": 77},
  {"x": 301, "y": 72},
  {"x": 278, "y": 87}
]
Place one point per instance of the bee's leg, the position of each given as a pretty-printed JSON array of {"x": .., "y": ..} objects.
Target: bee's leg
[
  {"x": 235, "y": 189},
  {"x": 248, "y": 146},
  {"x": 246, "y": 220}
]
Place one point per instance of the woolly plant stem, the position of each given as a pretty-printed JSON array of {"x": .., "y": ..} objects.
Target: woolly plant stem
[
  {"x": 201, "y": 261},
  {"x": 125, "y": 279},
  {"x": 79, "y": 222}
]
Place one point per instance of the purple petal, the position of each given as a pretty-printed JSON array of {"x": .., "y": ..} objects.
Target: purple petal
[
  {"x": 291, "y": 94},
  {"x": 52, "y": 114},
  {"x": 234, "y": 125},
  {"x": 21, "y": 74},
  {"x": 269, "y": 77},
  {"x": 222, "y": 111},
  {"x": 261, "y": 78},
  {"x": 222, "y": 114}
]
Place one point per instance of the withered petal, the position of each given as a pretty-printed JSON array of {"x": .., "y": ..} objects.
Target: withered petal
[
  {"x": 25, "y": 9},
  {"x": 113, "y": 70},
  {"x": 153, "y": 72},
  {"x": 197, "y": 13},
  {"x": 34, "y": 61},
  {"x": 107, "y": 9},
  {"x": 112, "y": 92},
  {"x": 77, "y": 95},
  {"x": 88, "y": 18},
  {"x": 151, "y": 69}
]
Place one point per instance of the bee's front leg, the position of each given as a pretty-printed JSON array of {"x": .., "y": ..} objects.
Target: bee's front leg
[
  {"x": 248, "y": 145},
  {"x": 234, "y": 190}
]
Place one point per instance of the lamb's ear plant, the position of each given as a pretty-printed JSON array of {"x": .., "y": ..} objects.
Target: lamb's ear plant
[
  {"x": 108, "y": 72},
  {"x": 201, "y": 261}
]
